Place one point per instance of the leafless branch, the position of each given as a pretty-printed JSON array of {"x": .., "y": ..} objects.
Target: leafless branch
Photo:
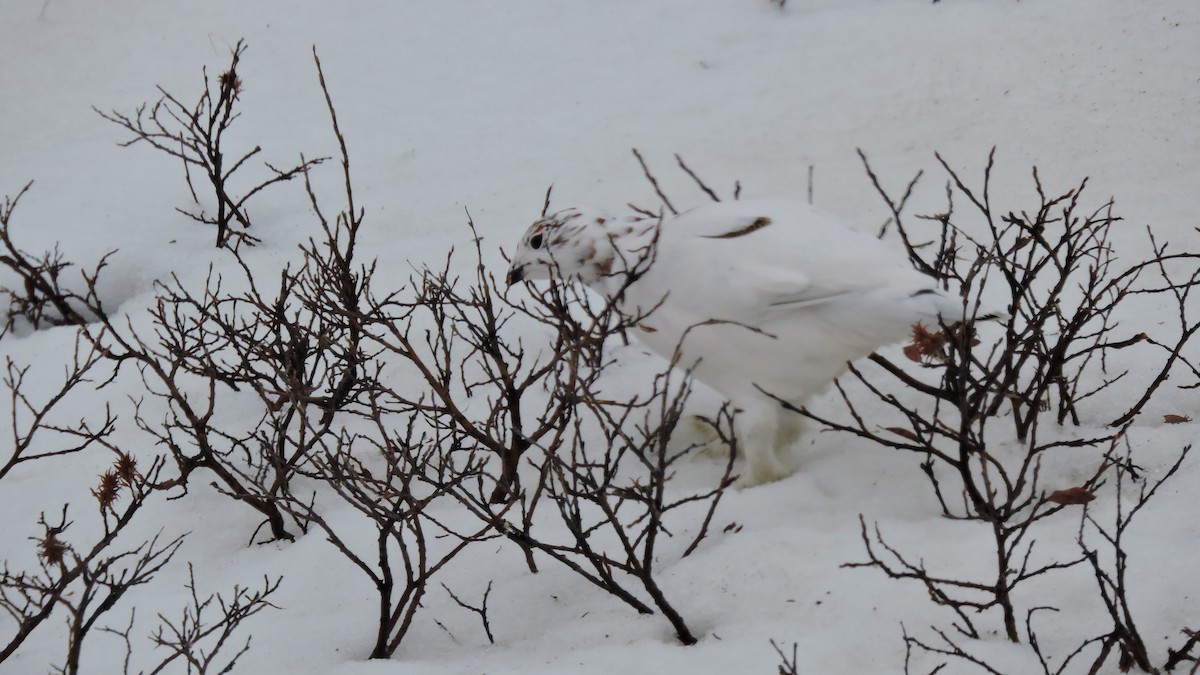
[{"x": 196, "y": 135}]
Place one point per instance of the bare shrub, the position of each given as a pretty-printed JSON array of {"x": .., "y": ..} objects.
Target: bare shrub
[
  {"x": 82, "y": 581},
  {"x": 197, "y": 638},
  {"x": 416, "y": 473},
  {"x": 42, "y": 299},
  {"x": 411, "y": 545},
  {"x": 1057, "y": 271},
  {"x": 492, "y": 406},
  {"x": 212, "y": 344},
  {"x": 34, "y": 419},
  {"x": 195, "y": 134},
  {"x": 288, "y": 346},
  {"x": 494, "y": 426},
  {"x": 608, "y": 483},
  {"x": 1108, "y": 558},
  {"x": 489, "y": 406},
  {"x": 86, "y": 582}
]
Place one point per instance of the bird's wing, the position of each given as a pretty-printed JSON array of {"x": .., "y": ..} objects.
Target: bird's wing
[
  {"x": 807, "y": 298},
  {"x": 752, "y": 261}
]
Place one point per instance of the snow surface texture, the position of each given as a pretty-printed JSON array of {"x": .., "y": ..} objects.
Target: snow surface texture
[{"x": 482, "y": 104}]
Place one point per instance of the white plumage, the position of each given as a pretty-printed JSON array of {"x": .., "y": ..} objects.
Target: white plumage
[{"x": 771, "y": 296}]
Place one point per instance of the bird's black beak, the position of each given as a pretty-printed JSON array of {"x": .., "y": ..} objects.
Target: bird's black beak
[{"x": 515, "y": 274}]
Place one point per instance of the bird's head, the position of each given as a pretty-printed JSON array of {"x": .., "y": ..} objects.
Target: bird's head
[{"x": 569, "y": 244}]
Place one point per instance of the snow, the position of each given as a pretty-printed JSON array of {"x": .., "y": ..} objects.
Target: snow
[{"x": 465, "y": 103}]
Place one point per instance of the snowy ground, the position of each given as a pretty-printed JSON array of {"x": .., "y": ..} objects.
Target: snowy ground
[{"x": 453, "y": 104}]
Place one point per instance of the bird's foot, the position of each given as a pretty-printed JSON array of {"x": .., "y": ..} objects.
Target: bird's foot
[
  {"x": 700, "y": 435},
  {"x": 761, "y": 473}
]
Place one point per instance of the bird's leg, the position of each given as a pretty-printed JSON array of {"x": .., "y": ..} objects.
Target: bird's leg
[
  {"x": 757, "y": 428},
  {"x": 792, "y": 425},
  {"x": 699, "y": 434}
]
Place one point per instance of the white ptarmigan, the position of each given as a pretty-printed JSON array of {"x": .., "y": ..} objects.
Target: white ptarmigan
[{"x": 771, "y": 296}]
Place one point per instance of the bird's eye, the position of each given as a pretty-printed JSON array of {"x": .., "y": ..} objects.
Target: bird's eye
[{"x": 536, "y": 241}]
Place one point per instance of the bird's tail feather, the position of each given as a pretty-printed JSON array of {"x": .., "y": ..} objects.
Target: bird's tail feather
[{"x": 949, "y": 307}]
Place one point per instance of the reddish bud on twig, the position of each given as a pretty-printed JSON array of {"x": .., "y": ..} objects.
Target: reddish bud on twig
[
  {"x": 52, "y": 549},
  {"x": 126, "y": 468},
  {"x": 110, "y": 486}
]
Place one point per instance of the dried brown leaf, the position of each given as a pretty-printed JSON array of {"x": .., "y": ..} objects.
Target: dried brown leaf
[
  {"x": 1070, "y": 496},
  {"x": 925, "y": 344},
  {"x": 913, "y": 352},
  {"x": 1176, "y": 419},
  {"x": 900, "y": 431}
]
